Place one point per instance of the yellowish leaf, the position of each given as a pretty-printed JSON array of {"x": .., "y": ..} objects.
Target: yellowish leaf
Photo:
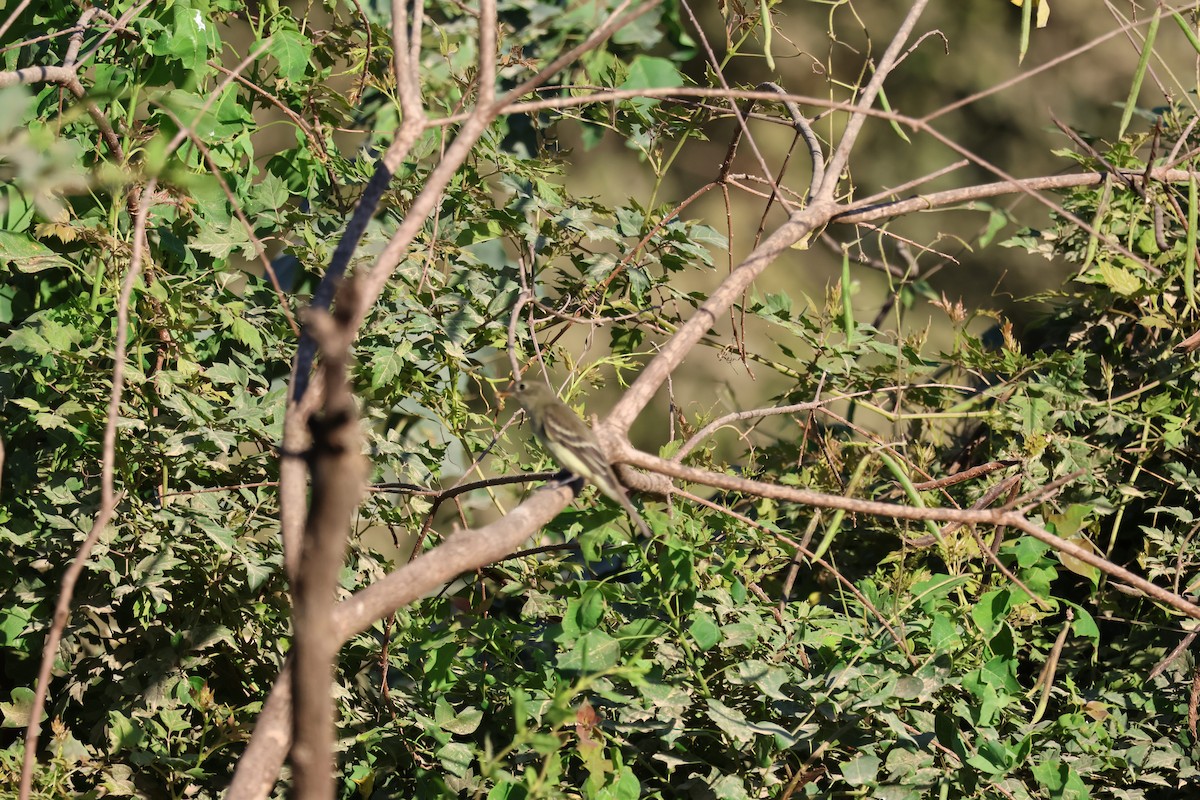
[
  {"x": 1043, "y": 11},
  {"x": 61, "y": 231}
]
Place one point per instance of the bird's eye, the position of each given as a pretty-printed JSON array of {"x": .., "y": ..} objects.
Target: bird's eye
[{"x": 521, "y": 386}]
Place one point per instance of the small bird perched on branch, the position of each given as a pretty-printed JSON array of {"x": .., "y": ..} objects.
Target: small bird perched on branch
[{"x": 571, "y": 442}]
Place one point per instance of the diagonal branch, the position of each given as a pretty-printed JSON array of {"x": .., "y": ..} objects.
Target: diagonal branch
[
  {"x": 894, "y": 511},
  {"x": 869, "y": 212},
  {"x": 804, "y": 223},
  {"x": 841, "y": 156},
  {"x": 467, "y": 550}
]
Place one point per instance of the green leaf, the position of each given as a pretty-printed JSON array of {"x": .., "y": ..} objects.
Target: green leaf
[
  {"x": 291, "y": 49},
  {"x": 1121, "y": 281},
  {"x": 731, "y": 721},
  {"x": 1084, "y": 625},
  {"x": 462, "y": 723},
  {"x": 123, "y": 732},
  {"x": 943, "y": 634},
  {"x": 589, "y": 610},
  {"x": 767, "y": 678},
  {"x": 1060, "y": 781},
  {"x": 595, "y": 651},
  {"x": 1070, "y": 521},
  {"x": 16, "y": 714},
  {"x": 997, "y": 220},
  {"x": 650, "y": 72},
  {"x": 13, "y": 622},
  {"x": 60, "y": 337},
  {"x": 729, "y": 787},
  {"x": 456, "y": 758},
  {"x": 27, "y": 340},
  {"x": 704, "y": 631},
  {"x": 388, "y": 363},
  {"x": 27, "y": 254},
  {"x": 862, "y": 770},
  {"x": 246, "y": 333},
  {"x": 991, "y": 611},
  {"x": 1028, "y": 550},
  {"x": 227, "y": 374},
  {"x": 186, "y": 39},
  {"x": 269, "y": 193},
  {"x": 624, "y": 787}
]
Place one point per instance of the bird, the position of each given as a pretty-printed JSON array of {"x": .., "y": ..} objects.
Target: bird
[{"x": 571, "y": 442}]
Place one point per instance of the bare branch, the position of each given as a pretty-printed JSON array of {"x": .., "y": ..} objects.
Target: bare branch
[
  {"x": 462, "y": 552},
  {"x": 742, "y": 129},
  {"x": 339, "y": 473},
  {"x": 893, "y": 511},
  {"x": 12, "y": 17},
  {"x": 841, "y": 155},
  {"x": 866, "y": 212},
  {"x": 804, "y": 223},
  {"x": 473, "y": 127}
]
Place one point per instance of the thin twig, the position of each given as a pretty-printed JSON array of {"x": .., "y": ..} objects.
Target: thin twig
[
  {"x": 964, "y": 475},
  {"x": 108, "y": 497},
  {"x": 108, "y": 457},
  {"x": 841, "y": 155},
  {"x": 889, "y": 510}
]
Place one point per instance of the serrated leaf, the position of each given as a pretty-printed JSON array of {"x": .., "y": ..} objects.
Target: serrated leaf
[
  {"x": 246, "y": 333},
  {"x": 60, "y": 337},
  {"x": 16, "y": 714},
  {"x": 64, "y": 232},
  {"x": 292, "y": 50},
  {"x": 1120, "y": 280},
  {"x": 220, "y": 241},
  {"x": 27, "y": 340},
  {"x": 388, "y": 363},
  {"x": 28, "y": 403},
  {"x": 227, "y": 374},
  {"x": 271, "y": 192}
]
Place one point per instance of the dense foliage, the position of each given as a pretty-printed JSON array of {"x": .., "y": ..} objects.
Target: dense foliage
[{"x": 715, "y": 660}]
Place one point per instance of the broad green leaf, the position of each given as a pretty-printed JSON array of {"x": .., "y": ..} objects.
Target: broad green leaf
[
  {"x": 704, "y": 631},
  {"x": 595, "y": 651},
  {"x": 28, "y": 255},
  {"x": 862, "y": 770},
  {"x": 292, "y": 50},
  {"x": 650, "y": 72},
  {"x": 456, "y": 758}
]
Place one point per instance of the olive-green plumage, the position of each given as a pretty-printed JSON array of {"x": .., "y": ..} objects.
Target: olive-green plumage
[{"x": 570, "y": 441}]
